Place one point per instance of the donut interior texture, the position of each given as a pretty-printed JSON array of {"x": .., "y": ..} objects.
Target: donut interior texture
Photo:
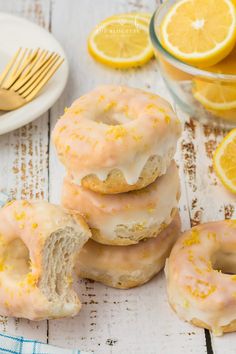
[{"x": 58, "y": 263}]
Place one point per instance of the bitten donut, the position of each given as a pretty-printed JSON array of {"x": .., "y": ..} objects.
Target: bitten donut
[
  {"x": 39, "y": 242},
  {"x": 127, "y": 266},
  {"x": 200, "y": 281},
  {"x": 116, "y": 139},
  {"x": 126, "y": 218}
]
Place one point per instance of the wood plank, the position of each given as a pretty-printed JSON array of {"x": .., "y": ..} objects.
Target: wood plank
[
  {"x": 207, "y": 197},
  {"x": 24, "y": 158},
  {"x": 113, "y": 320}
]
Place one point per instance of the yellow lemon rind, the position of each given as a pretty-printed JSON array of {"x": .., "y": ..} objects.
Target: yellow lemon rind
[
  {"x": 119, "y": 63},
  {"x": 205, "y": 59},
  {"x": 216, "y": 161},
  {"x": 212, "y": 105}
]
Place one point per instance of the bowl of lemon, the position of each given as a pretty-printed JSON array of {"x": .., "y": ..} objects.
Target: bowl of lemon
[{"x": 195, "y": 44}]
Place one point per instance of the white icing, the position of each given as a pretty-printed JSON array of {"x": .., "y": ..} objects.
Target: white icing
[
  {"x": 131, "y": 219},
  {"x": 131, "y": 124},
  {"x": 112, "y": 265},
  {"x": 132, "y": 170},
  {"x": 108, "y": 213},
  {"x": 102, "y": 175},
  {"x": 214, "y": 321},
  {"x": 213, "y": 249}
]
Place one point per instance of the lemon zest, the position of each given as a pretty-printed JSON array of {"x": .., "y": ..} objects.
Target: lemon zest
[
  {"x": 117, "y": 132},
  {"x": 193, "y": 239},
  {"x": 20, "y": 216},
  {"x": 197, "y": 292}
]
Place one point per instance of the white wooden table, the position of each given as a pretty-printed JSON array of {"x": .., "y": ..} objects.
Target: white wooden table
[{"x": 111, "y": 321}]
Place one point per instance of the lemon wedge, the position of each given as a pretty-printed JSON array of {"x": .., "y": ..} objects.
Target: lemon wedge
[
  {"x": 225, "y": 161},
  {"x": 200, "y": 32},
  {"x": 226, "y": 66},
  {"x": 121, "y": 41},
  {"x": 218, "y": 95}
]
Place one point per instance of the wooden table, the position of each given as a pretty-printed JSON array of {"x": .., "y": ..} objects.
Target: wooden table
[{"x": 111, "y": 321}]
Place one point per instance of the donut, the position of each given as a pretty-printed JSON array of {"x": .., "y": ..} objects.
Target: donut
[
  {"x": 124, "y": 219},
  {"x": 39, "y": 244},
  {"x": 125, "y": 267},
  {"x": 200, "y": 276},
  {"x": 116, "y": 139}
]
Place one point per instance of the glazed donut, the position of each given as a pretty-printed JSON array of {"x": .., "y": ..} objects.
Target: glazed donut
[
  {"x": 39, "y": 243},
  {"x": 126, "y": 218},
  {"x": 116, "y": 139},
  {"x": 200, "y": 281},
  {"x": 127, "y": 266}
]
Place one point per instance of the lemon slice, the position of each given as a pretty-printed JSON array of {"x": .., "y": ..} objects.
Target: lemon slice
[
  {"x": 225, "y": 161},
  {"x": 226, "y": 66},
  {"x": 200, "y": 32},
  {"x": 216, "y": 95},
  {"x": 229, "y": 115},
  {"x": 121, "y": 42}
]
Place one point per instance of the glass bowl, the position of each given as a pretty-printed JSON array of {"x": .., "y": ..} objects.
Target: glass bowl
[{"x": 188, "y": 85}]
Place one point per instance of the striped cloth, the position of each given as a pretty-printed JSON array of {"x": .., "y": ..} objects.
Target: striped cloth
[{"x": 19, "y": 345}]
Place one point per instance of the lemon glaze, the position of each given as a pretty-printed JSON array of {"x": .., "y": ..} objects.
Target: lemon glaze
[{"x": 90, "y": 140}]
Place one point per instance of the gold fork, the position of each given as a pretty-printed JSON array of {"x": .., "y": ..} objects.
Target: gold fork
[{"x": 25, "y": 75}]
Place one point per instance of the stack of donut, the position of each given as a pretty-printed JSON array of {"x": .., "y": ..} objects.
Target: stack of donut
[{"x": 117, "y": 144}]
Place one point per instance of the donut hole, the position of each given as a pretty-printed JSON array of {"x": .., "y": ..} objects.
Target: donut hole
[
  {"x": 106, "y": 119},
  {"x": 112, "y": 117},
  {"x": 16, "y": 260},
  {"x": 224, "y": 262}
]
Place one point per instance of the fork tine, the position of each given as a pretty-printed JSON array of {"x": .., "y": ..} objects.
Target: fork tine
[
  {"x": 52, "y": 59},
  {"x": 34, "y": 82},
  {"x": 29, "y": 69},
  {"x": 33, "y": 70},
  {"x": 26, "y": 57},
  {"x": 39, "y": 54},
  {"x": 30, "y": 95},
  {"x": 30, "y": 58},
  {"x": 18, "y": 63},
  {"x": 9, "y": 66}
]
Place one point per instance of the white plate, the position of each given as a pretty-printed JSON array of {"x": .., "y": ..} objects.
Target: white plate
[{"x": 17, "y": 32}]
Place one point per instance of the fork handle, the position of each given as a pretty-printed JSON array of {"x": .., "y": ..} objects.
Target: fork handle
[{"x": 10, "y": 100}]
